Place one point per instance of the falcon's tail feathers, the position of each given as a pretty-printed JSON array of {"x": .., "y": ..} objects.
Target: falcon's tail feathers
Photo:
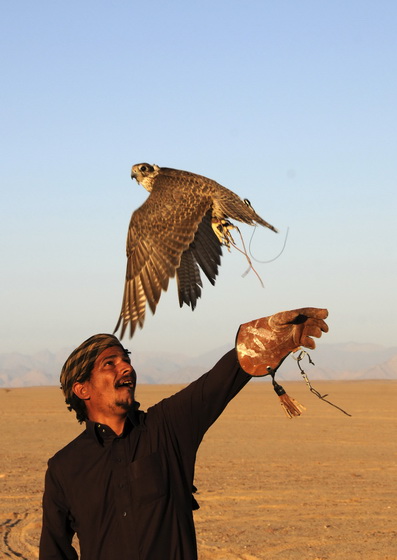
[
  {"x": 188, "y": 280},
  {"x": 230, "y": 205},
  {"x": 207, "y": 249}
]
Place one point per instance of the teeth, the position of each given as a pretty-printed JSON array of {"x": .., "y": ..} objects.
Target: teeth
[{"x": 125, "y": 383}]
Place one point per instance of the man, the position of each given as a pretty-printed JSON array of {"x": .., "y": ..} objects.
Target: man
[{"x": 125, "y": 484}]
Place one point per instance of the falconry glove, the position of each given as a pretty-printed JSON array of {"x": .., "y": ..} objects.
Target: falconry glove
[{"x": 263, "y": 344}]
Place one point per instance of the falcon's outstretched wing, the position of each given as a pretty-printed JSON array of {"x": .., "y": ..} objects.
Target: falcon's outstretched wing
[
  {"x": 205, "y": 251},
  {"x": 172, "y": 233}
]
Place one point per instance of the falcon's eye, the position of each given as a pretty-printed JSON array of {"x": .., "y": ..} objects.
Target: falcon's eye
[{"x": 148, "y": 168}]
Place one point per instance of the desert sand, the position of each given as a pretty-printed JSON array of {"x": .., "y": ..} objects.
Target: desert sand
[{"x": 319, "y": 487}]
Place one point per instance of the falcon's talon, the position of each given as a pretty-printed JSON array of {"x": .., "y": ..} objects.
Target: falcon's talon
[{"x": 222, "y": 230}]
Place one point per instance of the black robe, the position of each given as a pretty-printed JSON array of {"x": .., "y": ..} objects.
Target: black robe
[{"x": 130, "y": 497}]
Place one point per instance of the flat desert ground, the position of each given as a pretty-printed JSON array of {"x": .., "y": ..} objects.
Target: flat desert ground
[{"x": 319, "y": 487}]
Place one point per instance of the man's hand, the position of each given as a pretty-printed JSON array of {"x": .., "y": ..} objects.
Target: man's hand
[{"x": 263, "y": 344}]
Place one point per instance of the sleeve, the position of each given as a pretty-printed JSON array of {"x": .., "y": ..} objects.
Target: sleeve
[
  {"x": 57, "y": 533},
  {"x": 194, "y": 409}
]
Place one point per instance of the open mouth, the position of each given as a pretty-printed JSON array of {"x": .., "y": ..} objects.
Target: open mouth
[{"x": 125, "y": 382}]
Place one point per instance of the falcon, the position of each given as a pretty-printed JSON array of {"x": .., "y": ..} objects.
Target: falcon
[{"x": 178, "y": 230}]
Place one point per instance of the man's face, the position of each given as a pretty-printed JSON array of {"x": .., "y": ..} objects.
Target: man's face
[{"x": 111, "y": 387}]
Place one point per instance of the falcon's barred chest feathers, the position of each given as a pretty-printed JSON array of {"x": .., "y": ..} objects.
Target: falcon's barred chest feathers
[{"x": 178, "y": 230}]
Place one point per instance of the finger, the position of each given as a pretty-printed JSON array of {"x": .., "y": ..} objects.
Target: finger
[
  {"x": 312, "y": 312},
  {"x": 308, "y": 342},
  {"x": 316, "y": 323},
  {"x": 323, "y": 326},
  {"x": 299, "y": 315},
  {"x": 313, "y": 328}
]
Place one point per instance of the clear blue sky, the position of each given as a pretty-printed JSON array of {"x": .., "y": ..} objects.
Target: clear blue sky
[{"x": 291, "y": 104}]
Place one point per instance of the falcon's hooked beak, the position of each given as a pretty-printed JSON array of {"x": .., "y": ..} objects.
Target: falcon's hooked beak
[{"x": 144, "y": 174}]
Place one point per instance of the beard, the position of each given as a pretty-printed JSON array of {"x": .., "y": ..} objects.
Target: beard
[{"x": 127, "y": 403}]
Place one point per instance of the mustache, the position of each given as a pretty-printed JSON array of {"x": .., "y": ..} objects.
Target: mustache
[{"x": 128, "y": 380}]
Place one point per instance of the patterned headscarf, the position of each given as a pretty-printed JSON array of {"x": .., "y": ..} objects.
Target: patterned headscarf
[{"x": 81, "y": 361}]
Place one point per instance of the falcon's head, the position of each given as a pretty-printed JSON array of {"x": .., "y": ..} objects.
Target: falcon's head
[{"x": 145, "y": 174}]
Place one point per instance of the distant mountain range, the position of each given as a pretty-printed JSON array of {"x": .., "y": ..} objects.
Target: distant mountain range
[{"x": 332, "y": 362}]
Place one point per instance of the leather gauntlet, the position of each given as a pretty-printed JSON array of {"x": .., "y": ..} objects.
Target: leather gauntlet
[{"x": 263, "y": 344}]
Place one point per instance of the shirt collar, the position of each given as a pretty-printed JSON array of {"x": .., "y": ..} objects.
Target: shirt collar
[{"x": 103, "y": 434}]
